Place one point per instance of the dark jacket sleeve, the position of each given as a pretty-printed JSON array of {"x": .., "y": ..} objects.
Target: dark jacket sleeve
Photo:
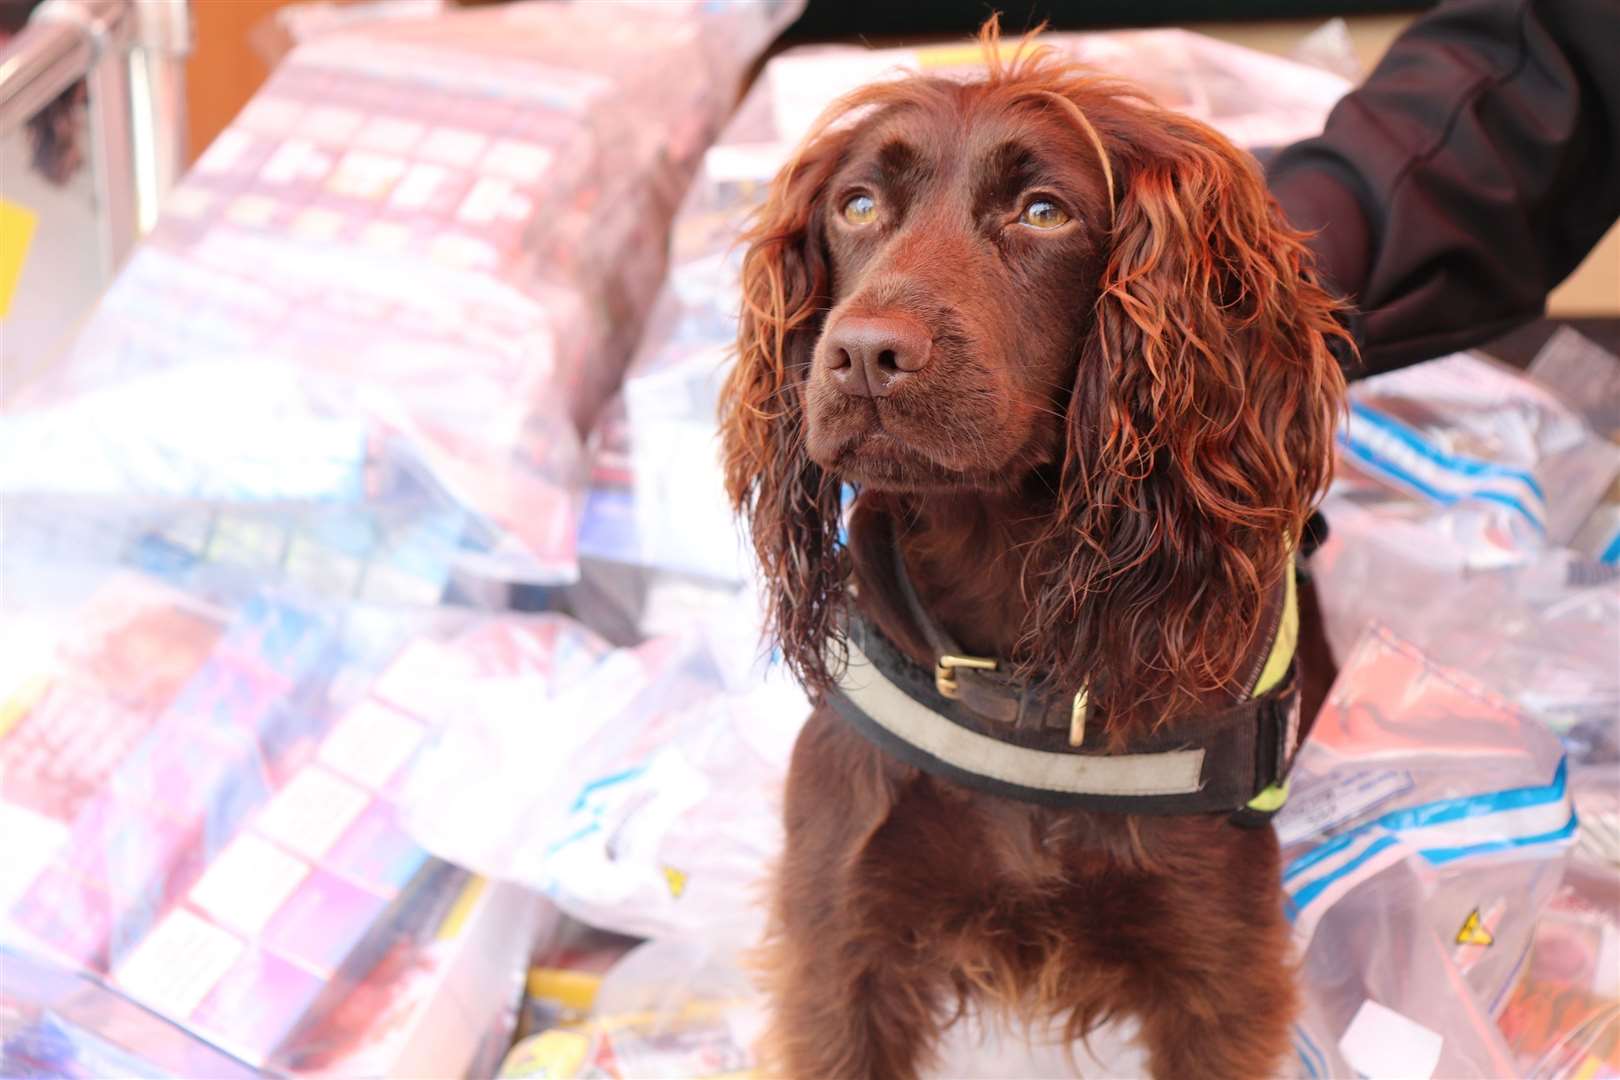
[{"x": 1467, "y": 177}]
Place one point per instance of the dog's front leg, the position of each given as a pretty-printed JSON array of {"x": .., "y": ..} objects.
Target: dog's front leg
[
  {"x": 842, "y": 1013},
  {"x": 853, "y": 995},
  {"x": 1215, "y": 984}
]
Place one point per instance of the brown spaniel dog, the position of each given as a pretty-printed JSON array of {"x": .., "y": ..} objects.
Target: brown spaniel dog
[{"x": 1078, "y": 370}]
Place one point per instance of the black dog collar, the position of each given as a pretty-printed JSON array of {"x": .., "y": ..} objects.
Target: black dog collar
[{"x": 966, "y": 722}]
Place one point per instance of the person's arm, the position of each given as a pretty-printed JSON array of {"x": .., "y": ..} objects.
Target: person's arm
[{"x": 1467, "y": 177}]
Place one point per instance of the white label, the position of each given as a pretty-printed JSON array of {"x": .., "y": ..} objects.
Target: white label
[
  {"x": 1326, "y": 805},
  {"x": 366, "y": 175},
  {"x": 802, "y": 86},
  {"x": 248, "y": 883},
  {"x": 516, "y": 160},
  {"x": 737, "y": 162},
  {"x": 312, "y": 811},
  {"x": 452, "y": 146},
  {"x": 370, "y": 743},
  {"x": 1382, "y": 1044},
  {"x": 178, "y": 963}
]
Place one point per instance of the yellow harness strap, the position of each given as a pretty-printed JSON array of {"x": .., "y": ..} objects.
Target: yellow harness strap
[{"x": 1283, "y": 647}]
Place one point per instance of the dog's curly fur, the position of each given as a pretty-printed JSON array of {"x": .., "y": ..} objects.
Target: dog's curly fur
[{"x": 1107, "y": 461}]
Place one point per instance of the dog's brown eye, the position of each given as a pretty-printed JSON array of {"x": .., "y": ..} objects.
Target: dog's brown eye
[
  {"x": 860, "y": 210},
  {"x": 1042, "y": 214}
]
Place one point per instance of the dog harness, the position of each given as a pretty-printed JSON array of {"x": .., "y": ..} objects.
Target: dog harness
[{"x": 969, "y": 722}]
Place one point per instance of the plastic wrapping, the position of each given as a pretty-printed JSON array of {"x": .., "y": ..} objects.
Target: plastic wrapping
[
  {"x": 1428, "y": 826},
  {"x": 1585, "y": 375},
  {"x": 656, "y": 498},
  {"x": 1588, "y": 379},
  {"x": 198, "y": 791},
  {"x": 444, "y": 1001},
  {"x": 1428, "y": 829},
  {"x": 441, "y": 1002},
  {"x": 205, "y": 821},
  {"x": 1545, "y": 633},
  {"x": 642, "y": 796},
  {"x": 287, "y": 27},
  {"x": 424, "y": 249},
  {"x": 677, "y": 1008},
  {"x": 557, "y": 1039},
  {"x": 678, "y": 838},
  {"x": 1499, "y": 465},
  {"x": 63, "y": 1025},
  {"x": 1563, "y": 1020},
  {"x": 1460, "y": 486}
]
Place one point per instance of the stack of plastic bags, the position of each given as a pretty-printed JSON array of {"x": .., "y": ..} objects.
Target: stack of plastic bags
[
  {"x": 424, "y": 250},
  {"x": 1446, "y": 924},
  {"x": 261, "y": 770},
  {"x": 352, "y": 368},
  {"x": 200, "y": 799},
  {"x": 1471, "y": 513},
  {"x": 643, "y": 796}
]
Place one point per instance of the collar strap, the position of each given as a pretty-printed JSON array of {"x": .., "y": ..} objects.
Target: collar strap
[
  {"x": 984, "y": 689},
  {"x": 968, "y": 721},
  {"x": 1235, "y": 756}
]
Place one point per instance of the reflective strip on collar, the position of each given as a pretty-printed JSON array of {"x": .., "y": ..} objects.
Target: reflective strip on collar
[
  {"x": 1285, "y": 644},
  {"x": 1170, "y": 772}
]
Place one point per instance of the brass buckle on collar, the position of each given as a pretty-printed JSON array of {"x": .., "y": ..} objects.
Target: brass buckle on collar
[
  {"x": 1077, "y": 718},
  {"x": 945, "y": 672}
]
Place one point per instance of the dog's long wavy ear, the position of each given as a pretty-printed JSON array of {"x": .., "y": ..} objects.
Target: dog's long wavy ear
[
  {"x": 1200, "y": 426},
  {"x": 792, "y": 507}
]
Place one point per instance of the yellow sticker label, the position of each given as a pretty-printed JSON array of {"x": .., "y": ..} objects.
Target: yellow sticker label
[
  {"x": 676, "y": 881},
  {"x": 550, "y": 1055},
  {"x": 572, "y": 989},
  {"x": 1473, "y": 931},
  {"x": 17, "y": 224},
  {"x": 462, "y": 907},
  {"x": 20, "y": 704},
  {"x": 1589, "y": 1069}
]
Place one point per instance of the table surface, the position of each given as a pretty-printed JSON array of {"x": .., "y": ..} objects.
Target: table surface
[{"x": 1520, "y": 347}]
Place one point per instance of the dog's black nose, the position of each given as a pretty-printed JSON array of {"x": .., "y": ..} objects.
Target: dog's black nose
[{"x": 869, "y": 356}]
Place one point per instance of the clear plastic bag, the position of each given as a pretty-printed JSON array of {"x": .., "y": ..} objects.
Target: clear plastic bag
[
  {"x": 1428, "y": 829},
  {"x": 1563, "y": 1020},
  {"x": 1585, "y": 374},
  {"x": 64, "y": 1025},
  {"x": 1460, "y": 486},
  {"x": 1497, "y": 467},
  {"x": 1429, "y": 824},
  {"x": 424, "y": 249},
  {"x": 677, "y": 1008},
  {"x": 1544, "y": 632},
  {"x": 199, "y": 777},
  {"x": 642, "y": 796}
]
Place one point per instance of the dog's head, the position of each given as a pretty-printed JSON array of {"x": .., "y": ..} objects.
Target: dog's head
[{"x": 1042, "y": 286}]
